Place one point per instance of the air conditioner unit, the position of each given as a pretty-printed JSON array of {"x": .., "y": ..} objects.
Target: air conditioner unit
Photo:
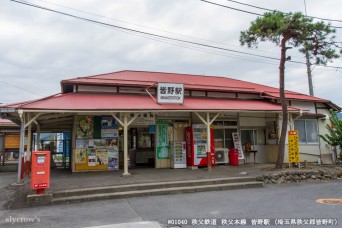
[{"x": 221, "y": 155}]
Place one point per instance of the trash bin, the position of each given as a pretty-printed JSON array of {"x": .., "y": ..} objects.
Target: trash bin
[{"x": 233, "y": 157}]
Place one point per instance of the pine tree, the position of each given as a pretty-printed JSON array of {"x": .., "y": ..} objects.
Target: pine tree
[{"x": 289, "y": 30}]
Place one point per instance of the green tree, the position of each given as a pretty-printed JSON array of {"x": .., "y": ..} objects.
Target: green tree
[
  {"x": 324, "y": 36},
  {"x": 289, "y": 30},
  {"x": 334, "y": 135}
]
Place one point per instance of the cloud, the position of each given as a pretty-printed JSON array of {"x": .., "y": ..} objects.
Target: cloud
[{"x": 39, "y": 48}]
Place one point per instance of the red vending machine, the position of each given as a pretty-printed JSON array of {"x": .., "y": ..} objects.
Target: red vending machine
[{"x": 196, "y": 144}]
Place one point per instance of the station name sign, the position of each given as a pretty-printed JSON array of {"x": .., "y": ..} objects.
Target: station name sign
[{"x": 170, "y": 93}]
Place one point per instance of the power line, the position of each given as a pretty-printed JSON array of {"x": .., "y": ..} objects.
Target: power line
[
  {"x": 244, "y": 11},
  {"x": 204, "y": 50},
  {"x": 149, "y": 34},
  {"x": 181, "y": 45},
  {"x": 148, "y": 27},
  {"x": 142, "y": 32},
  {"x": 163, "y": 41},
  {"x": 249, "y": 12},
  {"x": 152, "y": 28},
  {"x": 22, "y": 88},
  {"x": 257, "y": 7}
]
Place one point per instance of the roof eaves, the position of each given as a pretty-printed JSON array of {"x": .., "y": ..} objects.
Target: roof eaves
[
  {"x": 22, "y": 104},
  {"x": 334, "y": 106}
]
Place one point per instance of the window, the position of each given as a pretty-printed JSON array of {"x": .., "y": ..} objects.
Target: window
[
  {"x": 307, "y": 130},
  {"x": 254, "y": 137},
  {"x": 223, "y": 131}
]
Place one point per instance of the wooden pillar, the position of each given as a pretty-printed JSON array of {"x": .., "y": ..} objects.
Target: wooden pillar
[
  {"x": 22, "y": 144},
  {"x": 125, "y": 126},
  {"x": 209, "y": 165},
  {"x": 208, "y": 123},
  {"x": 29, "y": 139},
  {"x": 38, "y": 136}
]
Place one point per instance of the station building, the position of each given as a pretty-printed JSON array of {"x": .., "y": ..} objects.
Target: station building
[{"x": 117, "y": 120}]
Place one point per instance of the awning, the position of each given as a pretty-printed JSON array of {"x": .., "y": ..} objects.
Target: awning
[{"x": 120, "y": 102}]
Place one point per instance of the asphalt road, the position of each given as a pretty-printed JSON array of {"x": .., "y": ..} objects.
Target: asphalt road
[{"x": 287, "y": 201}]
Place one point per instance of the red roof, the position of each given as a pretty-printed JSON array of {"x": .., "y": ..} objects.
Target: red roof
[
  {"x": 78, "y": 101},
  {"x": 142, "y": 78},
  {"x": 294, "y": 96},
  {"x": 103, "y": 102},
  {"x": 5, "y": 121},
  {"x": 199, "y": 82}
]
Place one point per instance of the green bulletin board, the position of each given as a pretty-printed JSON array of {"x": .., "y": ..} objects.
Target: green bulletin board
[{"x": 163, "y": 141}]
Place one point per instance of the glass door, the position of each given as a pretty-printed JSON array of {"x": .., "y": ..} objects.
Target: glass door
[{"x": 228, "y": 138}]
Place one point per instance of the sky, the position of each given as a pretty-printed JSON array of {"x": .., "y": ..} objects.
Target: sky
[{"x": 40, "y": 48}]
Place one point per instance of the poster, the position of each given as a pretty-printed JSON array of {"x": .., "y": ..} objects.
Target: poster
[
  {"x": 293, "y": 146},
  {"x": 163, "y": 152},
  {"x": 84, "y": 126},
  {"x": 109, "y": 133},
  {"x": 82, "y": 143},
  {"x": 80, "y": 155},
  {"x": 113, "y": 158},
  {"x": 92, "y": 160},
  {"x": 91, "y": 142},
  {"x": 100, "y": 143},
  {"x": 91, "y": 152},
  {"x": 144, "y": 140},
  {"x": 66, "y": 145},
  {"x": 270, "y": 129},
  {"x": 59, "y": 148},
  {"x": 109, "y": 127},
  {"x": 108, "y": 123},
  {"x": 111, "y": 142},
  {"x": 237, "y": 144},
  {"x": 102, "y": 156}
]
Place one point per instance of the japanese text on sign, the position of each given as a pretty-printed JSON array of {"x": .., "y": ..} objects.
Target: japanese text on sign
[
  {"x": 296, "y": 222},
  {"x": 293, "y": 146},
  {"x": 237, "y": 144},
  {"x": 170, "y": 93},
  {"x": 163, "y": 141}
]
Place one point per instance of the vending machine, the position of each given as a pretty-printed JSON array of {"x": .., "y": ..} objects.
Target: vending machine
[
  {"x": 178, "y": 154},
  {"x": 196, "y": 144}
]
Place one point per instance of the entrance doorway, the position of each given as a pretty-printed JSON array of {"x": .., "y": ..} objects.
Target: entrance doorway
[
  {"x": 141, "y": 147},
  {"x": 59, "y": 145},
  {"x": 223, "y": 131}
]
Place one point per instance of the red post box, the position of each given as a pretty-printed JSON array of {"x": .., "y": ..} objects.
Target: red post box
[
  {"x": 211, "y": 158},
  {"x": 40, "y": 171}
]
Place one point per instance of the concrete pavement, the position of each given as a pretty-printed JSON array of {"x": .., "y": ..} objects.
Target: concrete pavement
[
  {"x": 290, "y": 201},
  {"x": 64, "y": 179}
]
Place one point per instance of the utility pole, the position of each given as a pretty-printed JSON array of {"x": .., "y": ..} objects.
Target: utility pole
[
  {"x": 308, "y": 70},
  {"x": 308, "y": 66}
]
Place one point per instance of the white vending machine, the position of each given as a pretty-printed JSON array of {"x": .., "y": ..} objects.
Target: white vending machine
[{"x": 178, "y": 155}]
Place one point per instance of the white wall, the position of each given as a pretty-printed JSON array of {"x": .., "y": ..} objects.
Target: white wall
[
  {"x": 305, "y": 105},
  {"x": 261, "y": 156},
  {"x": 272, "y": 153},
  {"x": 326, "y": 149},
  {"x": 255, "y": 121},
  {"x": 308, "y": 152},
  {"x": 252, "y": 120}
]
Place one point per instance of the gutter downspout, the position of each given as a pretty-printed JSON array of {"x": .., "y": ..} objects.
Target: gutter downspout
[{"x": 300, "y": 115}]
